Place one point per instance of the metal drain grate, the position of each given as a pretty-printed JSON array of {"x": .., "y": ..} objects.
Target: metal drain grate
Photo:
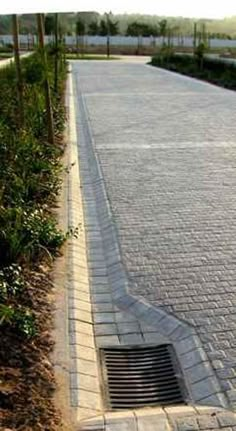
[{"x": 141, "y": 376}]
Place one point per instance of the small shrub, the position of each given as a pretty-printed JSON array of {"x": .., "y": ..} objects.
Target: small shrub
[
  {"x": 19, "y": 319},
  {"x": 42, "y": 230},
  {"x": 11, "y": 282},
  {"x": 33, "y": 71},
  {"x": 24, "y": 322}
]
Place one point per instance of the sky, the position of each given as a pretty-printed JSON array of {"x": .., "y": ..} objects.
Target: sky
[{"x": 187, "y": 8}]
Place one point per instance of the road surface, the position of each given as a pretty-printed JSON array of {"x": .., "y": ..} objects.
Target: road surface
[{"x": 166, "y": 146}]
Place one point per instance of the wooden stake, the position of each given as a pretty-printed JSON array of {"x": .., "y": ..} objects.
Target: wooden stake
[
  {"x": 56, "y": 55},
  {"x": 40, "y": 22},
  {"x": 15, "y": 31}
]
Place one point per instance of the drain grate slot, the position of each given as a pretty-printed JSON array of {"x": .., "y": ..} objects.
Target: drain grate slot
[{"x": 141, "y": 376}]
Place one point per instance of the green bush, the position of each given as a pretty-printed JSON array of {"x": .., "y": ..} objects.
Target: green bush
[
  {"x": 11, "y": 282},
  {"x": 19, "y": 318},
  {"x": 199, "y": 66},
  {"x": 30, "y": 170}
]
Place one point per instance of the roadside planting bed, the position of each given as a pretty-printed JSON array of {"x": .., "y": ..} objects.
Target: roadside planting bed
[
  {"x": 30, "y": 171},
  {"x": 215, "y": 71}
]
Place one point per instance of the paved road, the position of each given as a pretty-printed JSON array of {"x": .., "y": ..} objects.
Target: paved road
[
  {"x": 8, "y": 61},
  {"x": 167, "y": 149}
]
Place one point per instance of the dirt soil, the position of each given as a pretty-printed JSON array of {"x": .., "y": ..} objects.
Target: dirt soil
[{"x": 27, "y": 381}]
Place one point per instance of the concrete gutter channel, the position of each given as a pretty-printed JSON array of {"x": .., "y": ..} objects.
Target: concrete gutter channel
[{"x": 103, "y": 313}]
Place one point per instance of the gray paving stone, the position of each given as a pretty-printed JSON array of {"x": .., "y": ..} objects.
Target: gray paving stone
[
  {"x": 204, "y": 388},
  {"x": 216, "y": 400},
  {"x": 107, "y": 340},
  {"x": 103, "y": 318},
  {"x": 132, "y": 339},
  {"x": 101, "y": 298},
  {"x": 207, "y": 422},
  {"x": 124, "y": 421},
  {"x": 105, "y": 329},
  {"x": 188, "y": 345},
  {"x": 123, "y": 317},
  {"x": 226, "y": 419},
  {"x": 168, "y": 325},
  {"x": 147, "y": 422},
  {"x": 174, "y": 412},
  {"x": 199, "y": 372},
  {"x": 192, "y": 358},
  {"x": 128, "y": 328},
  {"x": 103, "y": 307},
  {"x": 187, "y": 424}
]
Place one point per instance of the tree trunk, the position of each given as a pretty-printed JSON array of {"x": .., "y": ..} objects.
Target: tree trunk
[
  {"x": 195, "y": 37},
  {"x": 56, "y": 55},
  {"x": 15, "y": 29},
  {"x": 108, "y": 45},
  {"x": 77, "y": 45},
  {"x": 46, "y": 82}
]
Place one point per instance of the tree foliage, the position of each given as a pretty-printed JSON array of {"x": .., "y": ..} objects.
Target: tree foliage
[
  {"x": 93, "y": 28},
  {"x": 108, "y": 26},
  {"x": 80, "y": 27},
  {"x": 223, "y": 28},
  {"x": 49, "y": 24},
  {"x": 142, "y": 29}
]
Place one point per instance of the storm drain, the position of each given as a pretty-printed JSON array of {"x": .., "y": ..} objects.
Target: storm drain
[{"x": 141, "y": 376}]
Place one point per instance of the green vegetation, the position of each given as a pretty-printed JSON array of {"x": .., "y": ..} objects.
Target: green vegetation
[
  {"x": 4, "y": 55},
  {"x": 90, "y": 57},
  {"x": 29, "y": 183},
  {"x": 199, "y": 66}
]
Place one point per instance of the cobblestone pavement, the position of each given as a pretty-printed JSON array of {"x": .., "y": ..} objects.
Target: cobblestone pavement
[{"x": 167, "y": 149}]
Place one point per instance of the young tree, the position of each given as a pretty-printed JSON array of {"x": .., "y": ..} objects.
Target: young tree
[
  {"x": 80, "y": 32},
  {"x": 107, "y": 26},
  {"x": 195, "y": 37},
  {"x": 15, "y": 30},
  {"x": 163, "y": 29},
  {"x": 136, "y": 28},
  {"x": 49, "y": 24},
  {"x": 93, "y": 28},
  {"x": 40, "y": 23}
]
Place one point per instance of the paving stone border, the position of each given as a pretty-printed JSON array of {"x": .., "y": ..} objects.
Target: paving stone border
[
  {"x": 184, "y": 418},
  {"x": 84, "y": 388},
  {"x": 119, "y": 317}
]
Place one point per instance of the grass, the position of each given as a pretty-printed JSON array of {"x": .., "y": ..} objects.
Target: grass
[
  {"x": 4, "y": 55},
  {"x": 73, "y": 56}
]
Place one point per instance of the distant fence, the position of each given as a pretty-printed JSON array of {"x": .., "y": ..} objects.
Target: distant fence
[{"x": 30, "y": 40}]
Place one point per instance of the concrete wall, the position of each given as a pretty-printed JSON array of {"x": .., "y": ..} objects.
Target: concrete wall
[{"x": 122, "y": 41}]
